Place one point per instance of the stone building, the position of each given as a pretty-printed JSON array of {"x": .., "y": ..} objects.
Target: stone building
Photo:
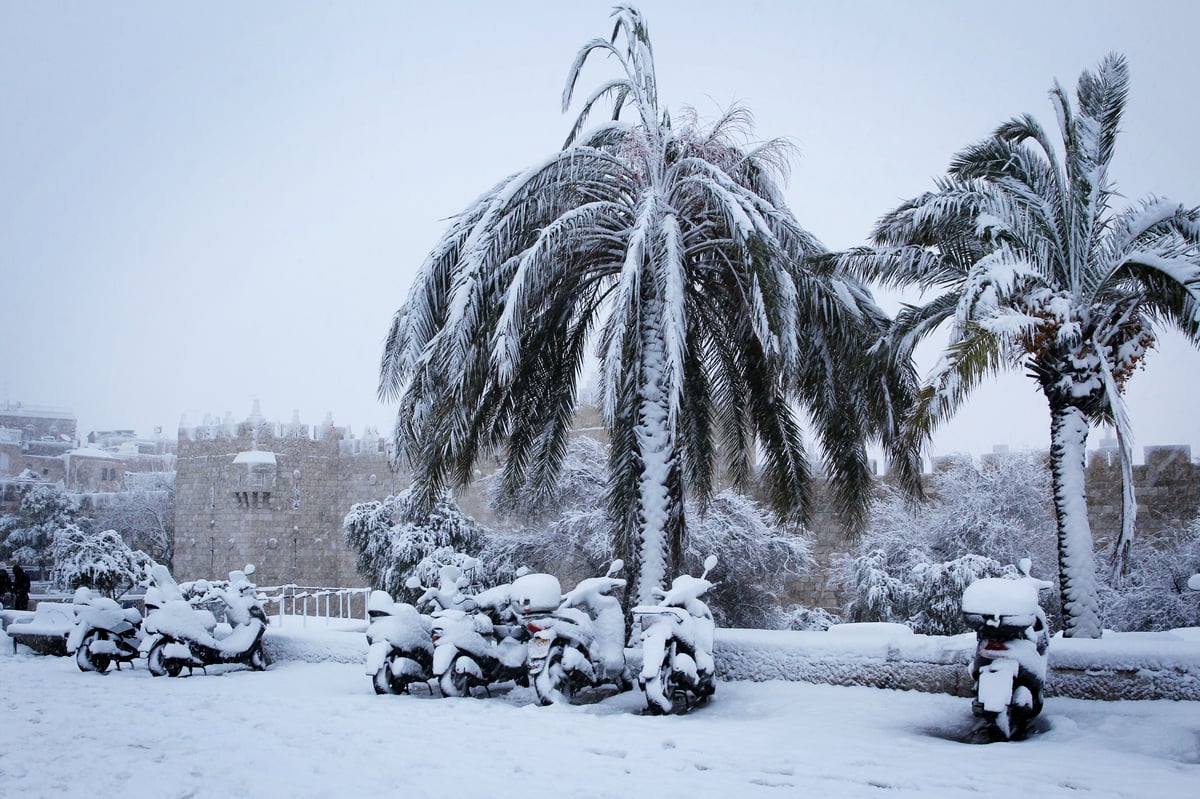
[{"x": 274, "y": 495}]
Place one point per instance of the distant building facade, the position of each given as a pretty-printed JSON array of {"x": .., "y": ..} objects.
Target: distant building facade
[
  {"x": 274, "y": 495},
  {"x": 40, "y": 445}
]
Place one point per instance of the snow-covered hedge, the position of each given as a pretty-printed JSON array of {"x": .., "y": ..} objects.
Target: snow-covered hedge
[{"x": 1117, "y": 666}]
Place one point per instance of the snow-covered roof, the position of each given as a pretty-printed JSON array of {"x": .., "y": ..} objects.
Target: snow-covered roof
[
  {"x": 255, "y": 456},
  {"x": 89, "y": 452},
  {"x": 36, "y": 412}
]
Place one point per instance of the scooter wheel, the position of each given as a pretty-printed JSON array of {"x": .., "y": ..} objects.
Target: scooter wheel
[
  {"x": 259, "y": 660},
  {"x": 661, "y": 689},
  {"x": 88, "y": 660},
  {"x": 454, "y": 683},
  {"x": 159, "y": 665},
  {"x": 999, "y": 726},
  {"x": 553, "y": 683},
  {"x": 383, "y": 680}
]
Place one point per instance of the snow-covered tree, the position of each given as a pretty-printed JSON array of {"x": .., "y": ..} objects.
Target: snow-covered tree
[
  {"x": 1155, "y": 594},
  {"x": 98, "y": 560},
  {"x": 1035, "y": 269},
  {"x": 666, "y": 244},
  {"x": 757, "y": 557},
  {"x": 914, "y": 561},
  {"x": 397, "y": 538},
  {"x": 28, "y": 535},
  {"x": 144, "y": 513}
]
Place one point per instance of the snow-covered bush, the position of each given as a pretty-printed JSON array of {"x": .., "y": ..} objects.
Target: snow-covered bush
[
  {"x": 28, "y": 535},
  {"x": 1154, "y": 594},
  {"x": 913, "y": 562},
  {"x": 575, "y": 538},
  {"x": 395, "y": 541},
  {"x": 100, "y": 561},
  {"x": 799, "y": 617}
]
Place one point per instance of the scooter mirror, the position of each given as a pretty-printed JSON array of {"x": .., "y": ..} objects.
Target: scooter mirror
[
  {"x": 249, "y": 570},
  {"x": 524, "y": 570},
  {"x": 710, "y": 562},
  {"x": 412, "y": 582},
  {"x": 1194, "y": 582},
  {"x": 616, "y": 566},
  {"x": 1025, "y": 564}
]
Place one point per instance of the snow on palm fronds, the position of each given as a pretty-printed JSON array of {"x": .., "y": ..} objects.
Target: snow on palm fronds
[
  {"x": 1035, "y": 269},
  {"x": 664, "y": 244}
]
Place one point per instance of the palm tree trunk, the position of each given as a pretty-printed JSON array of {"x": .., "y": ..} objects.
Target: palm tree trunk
[
  {"x": 1076, "y": 563},
  {"x": 660, "y": 499}
]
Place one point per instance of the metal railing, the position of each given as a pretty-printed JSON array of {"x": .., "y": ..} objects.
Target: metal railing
[{"x": 315, "y": 602}]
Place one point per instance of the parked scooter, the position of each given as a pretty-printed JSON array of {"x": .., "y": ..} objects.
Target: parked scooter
[
  {"x": 578, "y": 638},
  {"x": 470, "y": 647},
  {"x": 183, "y": 634},
  {"x": 677, "y": 644},
  {"x": 1009, "y": 668},
  {"x": 104, "y": 632},
  {"x": 400, "y": 642}
]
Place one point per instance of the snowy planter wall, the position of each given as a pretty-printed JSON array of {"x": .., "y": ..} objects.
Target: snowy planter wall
[{"x": 1118, "y": 666}]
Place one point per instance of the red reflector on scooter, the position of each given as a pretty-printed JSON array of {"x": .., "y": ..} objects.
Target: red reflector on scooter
[
  {"x": 533, "y": 628},
  {"x": 995, "y": 646}
]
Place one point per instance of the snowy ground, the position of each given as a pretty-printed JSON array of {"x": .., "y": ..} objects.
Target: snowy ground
[{"x": 318, "y": 730}]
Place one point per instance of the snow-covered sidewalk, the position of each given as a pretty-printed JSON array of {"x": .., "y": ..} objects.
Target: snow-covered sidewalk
[{"x": 317, "y": 729}]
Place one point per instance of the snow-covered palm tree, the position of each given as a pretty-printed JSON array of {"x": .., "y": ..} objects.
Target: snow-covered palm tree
[
  {"x": 1025, "y": 253},
  {"x": 667, "y": 245}
]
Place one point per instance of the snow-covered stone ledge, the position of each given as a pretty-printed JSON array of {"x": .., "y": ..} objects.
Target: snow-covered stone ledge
[{"x": 1118, "y": 666}]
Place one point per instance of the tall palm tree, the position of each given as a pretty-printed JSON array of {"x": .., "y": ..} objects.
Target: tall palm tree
[
  {"x": 666, "y": 245},
  {"x": 1028, "y": 259}
]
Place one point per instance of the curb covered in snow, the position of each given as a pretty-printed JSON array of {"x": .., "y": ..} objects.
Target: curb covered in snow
[{"x": 1118, "y": 666}]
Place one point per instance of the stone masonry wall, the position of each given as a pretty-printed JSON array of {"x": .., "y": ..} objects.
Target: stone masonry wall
[{"x": 286, "y": 520}]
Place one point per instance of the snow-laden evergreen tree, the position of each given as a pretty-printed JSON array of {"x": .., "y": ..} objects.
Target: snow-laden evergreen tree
[
  {"x": 27, "y": 536},
  {"x": 1035, "y": 268},
  {"x": 397, "y": 539},
  {"x": 913, "y": 561},
  {"x": 667, "y": 244},
  {"x": 570, "y": 525},
  {"x": 98, "y": 560}
]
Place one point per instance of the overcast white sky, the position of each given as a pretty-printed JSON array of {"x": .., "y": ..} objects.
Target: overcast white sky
[{"x": 205, "y": 204}]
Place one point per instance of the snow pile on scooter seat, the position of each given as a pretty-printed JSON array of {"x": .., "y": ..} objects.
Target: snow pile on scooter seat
[
  {"x": 536, "y": 593},
  {"x": 179, "y": 619},
  {"x": 406, "y": 629},
  {"x": 997, "y": 596}
]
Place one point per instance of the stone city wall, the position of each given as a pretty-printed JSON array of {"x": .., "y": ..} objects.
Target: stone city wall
[{"x": 283, "y": 516}]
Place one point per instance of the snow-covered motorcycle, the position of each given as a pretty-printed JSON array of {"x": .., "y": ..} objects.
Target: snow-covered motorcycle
[
  {"x": 104, "y": 632},
  {"x": 400, "y": 644},
  {"x": 470, "y": 647},
  {"x": 578, "y": 639},
  {"x": 1009, "y": 667},
  {"x": 183, "y": 633},
  {"x": 677, "y": 644}
]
